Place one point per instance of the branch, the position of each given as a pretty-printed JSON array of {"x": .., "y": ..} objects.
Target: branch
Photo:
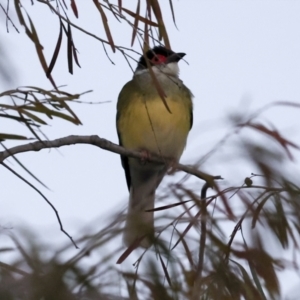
[
  {"x": 106, "y": 145},
  {"x": 49, "y": 203}
]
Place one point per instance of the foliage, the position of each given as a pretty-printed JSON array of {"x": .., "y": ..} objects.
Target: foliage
[
  {"x": 28, "y": 102},
  {"x": 57, "y": 98},
  {"x": 192, "y": 257}
]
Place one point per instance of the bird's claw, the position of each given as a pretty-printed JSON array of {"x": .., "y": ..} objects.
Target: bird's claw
[{"x": 145, "y": 156}]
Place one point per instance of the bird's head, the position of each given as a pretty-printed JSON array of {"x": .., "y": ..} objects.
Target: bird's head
[{"x": 161, "y": 60}]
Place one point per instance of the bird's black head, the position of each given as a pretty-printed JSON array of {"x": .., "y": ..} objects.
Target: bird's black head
[{"x": 159, "y": 55}]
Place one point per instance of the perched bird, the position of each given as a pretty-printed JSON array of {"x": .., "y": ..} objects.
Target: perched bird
[{"x": 145, "y": 123}]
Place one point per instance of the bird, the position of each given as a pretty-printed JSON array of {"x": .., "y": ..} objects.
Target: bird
[{"x": 145, "y": 123}]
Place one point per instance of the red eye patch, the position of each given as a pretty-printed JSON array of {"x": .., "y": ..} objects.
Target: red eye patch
[{"x": 158, "y": 59}]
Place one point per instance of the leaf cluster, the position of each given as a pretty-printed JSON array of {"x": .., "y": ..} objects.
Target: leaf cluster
[{"x": 194, "y": 256}]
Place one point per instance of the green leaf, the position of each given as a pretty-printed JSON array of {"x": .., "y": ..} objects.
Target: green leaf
[{"x": 5, "y": 136}]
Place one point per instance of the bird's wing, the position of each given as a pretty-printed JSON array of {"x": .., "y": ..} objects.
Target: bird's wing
[
  {"x": 124, "y": 159},
  {"x": 123, "y": 100}
]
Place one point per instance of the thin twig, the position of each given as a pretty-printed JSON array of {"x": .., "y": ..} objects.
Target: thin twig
[
  {"x": 8, "y": 18},
  {"x": 203, "y": 229},
  {"x": 44, "y": 197}
]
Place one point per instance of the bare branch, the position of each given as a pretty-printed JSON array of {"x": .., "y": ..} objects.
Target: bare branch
[
  {"x": 49, "y": 203},
  {"x": 106, "y": 145}
]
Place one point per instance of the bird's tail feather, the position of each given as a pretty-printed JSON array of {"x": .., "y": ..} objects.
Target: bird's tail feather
[{"x": 140, "y": 222}]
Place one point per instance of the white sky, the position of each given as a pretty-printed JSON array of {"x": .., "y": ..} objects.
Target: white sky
[{"x": 241, "y": 55}]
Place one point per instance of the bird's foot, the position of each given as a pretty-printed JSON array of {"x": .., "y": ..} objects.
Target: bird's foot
[{"x": 145, "y": 156}]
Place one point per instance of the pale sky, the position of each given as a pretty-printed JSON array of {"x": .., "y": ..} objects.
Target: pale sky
[{"x": 241, "y": 55}]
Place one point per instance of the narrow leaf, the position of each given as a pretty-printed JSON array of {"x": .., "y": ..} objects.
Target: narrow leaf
[
  {"x": 173, "y": 13},
  {"x": 168, "y": 206},
  {"x": 165, "y": 270},
  {"x": 34, "y": 117},
  {"x": 16, "y": 118},
  {"x": 74, "y": 8},
  {"x": 275, "y": 135},
  {"x": 69, "y": 50},
  {"x": 138, "y": 17},
  {"x": 33, "y": 36},
  {"x": 56, "y": 51},
  {"x": 65, "y": 4},
  {"x": 127, "y": 252},
  {"x": 162, "y": 29},
  {"x": 6, "y": 136},
  {"x": 260, "y": 206},
  {"x": 39, "y": 50},
  {"x": 105, "y": 25},
  {"x": 19, "y": 13},
  {"x": 251, "y": 292},
  {"x": 75, "y": 56},
  {"x": 136, "y": 23},
  {"x": 120, "y": 5},
  {"x": 187, "y": 229},
  {"x": 254, "y": 273}
]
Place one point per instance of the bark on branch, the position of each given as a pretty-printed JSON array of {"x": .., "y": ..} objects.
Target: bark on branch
[{"x": 106, "y": 145}]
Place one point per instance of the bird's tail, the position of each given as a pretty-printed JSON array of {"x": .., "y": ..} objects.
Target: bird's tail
[{"x": 140, "y": 222}]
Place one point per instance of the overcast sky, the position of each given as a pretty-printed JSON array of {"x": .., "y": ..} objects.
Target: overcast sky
[{"x": 241, "y": 55}]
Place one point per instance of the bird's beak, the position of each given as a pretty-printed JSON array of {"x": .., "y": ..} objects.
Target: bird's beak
[{"x": 176, "y": 57}]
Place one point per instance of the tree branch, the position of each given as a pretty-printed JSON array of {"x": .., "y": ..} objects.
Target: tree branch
[
  {"x": 49, "y": 203},
  {"x": 106, "y": 145}
]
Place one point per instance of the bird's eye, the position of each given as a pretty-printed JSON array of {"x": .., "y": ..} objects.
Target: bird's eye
[{"x": 158, "y": 59}]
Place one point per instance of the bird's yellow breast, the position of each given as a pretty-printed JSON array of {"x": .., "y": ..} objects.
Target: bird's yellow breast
[{"x": 145, "y": 123}]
